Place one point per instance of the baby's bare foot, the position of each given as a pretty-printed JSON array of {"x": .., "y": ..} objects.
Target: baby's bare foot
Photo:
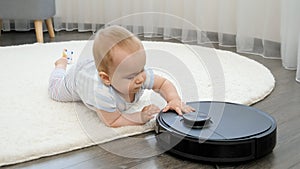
[{"x": 61, "y": 63}]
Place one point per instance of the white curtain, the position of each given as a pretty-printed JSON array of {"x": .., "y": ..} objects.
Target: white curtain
[
  {"x": 269, "y": 28},
  {"x": 290, "y": 35}
]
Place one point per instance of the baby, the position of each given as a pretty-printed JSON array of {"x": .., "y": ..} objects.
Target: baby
[{"x": 114, "y": 80}]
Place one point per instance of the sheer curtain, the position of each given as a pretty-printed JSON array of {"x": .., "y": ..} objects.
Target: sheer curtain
[
  {"x": 269, "y": 28},
  {"x": 290, "y": 35}
]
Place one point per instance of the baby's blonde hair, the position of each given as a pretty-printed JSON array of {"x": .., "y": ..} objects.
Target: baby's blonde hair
[{"x": 108, "y": 38}]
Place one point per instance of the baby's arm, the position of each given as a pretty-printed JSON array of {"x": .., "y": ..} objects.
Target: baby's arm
[
  {"x": 168, "y": 91},
  {"x": 118, "y": 119}
]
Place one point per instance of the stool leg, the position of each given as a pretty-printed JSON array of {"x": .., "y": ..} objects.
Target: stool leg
[
  {"x": 0, "y": 26},
  {"x": 50, "y": 27},
  {"x": 38, "y": 24}
]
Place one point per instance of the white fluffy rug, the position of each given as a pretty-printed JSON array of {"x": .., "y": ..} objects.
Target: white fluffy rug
[{"x": 34, "y": 126}]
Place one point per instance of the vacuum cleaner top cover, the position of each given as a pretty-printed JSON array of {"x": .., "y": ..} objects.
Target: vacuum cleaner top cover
[{"x": 234, "y": 122}]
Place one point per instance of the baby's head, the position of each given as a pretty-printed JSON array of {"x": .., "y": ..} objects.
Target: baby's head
[
  {"x": 108, "y": 41},
  {"x": 118, "y": 55}
]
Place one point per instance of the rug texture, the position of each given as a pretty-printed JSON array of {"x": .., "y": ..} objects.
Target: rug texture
[{"x": 34, "y": 126}]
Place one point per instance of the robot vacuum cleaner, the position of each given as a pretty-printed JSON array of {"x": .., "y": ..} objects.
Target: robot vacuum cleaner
[{"x": 218, "y": 132}]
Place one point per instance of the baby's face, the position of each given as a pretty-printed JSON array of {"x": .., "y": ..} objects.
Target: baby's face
[{"x": 128, "y": 71}]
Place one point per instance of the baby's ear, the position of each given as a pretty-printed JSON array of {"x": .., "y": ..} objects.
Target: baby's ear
[{"x": 105, "y": 78}]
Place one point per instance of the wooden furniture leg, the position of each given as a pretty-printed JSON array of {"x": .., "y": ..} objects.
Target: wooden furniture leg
[
  {"x": 0, "y": 26},
  {"x": 50, "y": 27},
  {"x": 38, "y": 24}
]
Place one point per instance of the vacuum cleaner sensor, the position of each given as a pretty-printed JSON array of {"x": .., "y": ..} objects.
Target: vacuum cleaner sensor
[
  {"x": 196, "y": 120},
  {"x": 217, "y": 132}
]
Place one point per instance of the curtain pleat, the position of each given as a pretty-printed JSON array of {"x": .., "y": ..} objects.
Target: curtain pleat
[{"x": 290, "y": 36}]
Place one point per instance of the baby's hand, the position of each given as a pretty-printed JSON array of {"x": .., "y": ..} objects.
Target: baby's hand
[
  {"x": 148, "y": 112},
  {"x": 178, "y": 106},
  {"x": 61, "y": 63}
]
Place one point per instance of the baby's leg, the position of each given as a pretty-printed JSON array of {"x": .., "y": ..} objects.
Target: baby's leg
[{"x": 61, "y": 85}]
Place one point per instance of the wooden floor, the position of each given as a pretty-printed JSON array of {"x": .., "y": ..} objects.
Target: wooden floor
[{"x": 283, "y": 104}]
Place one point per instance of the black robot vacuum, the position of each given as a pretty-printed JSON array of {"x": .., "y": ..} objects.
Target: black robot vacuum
[{"x": 218, "y": 132}]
